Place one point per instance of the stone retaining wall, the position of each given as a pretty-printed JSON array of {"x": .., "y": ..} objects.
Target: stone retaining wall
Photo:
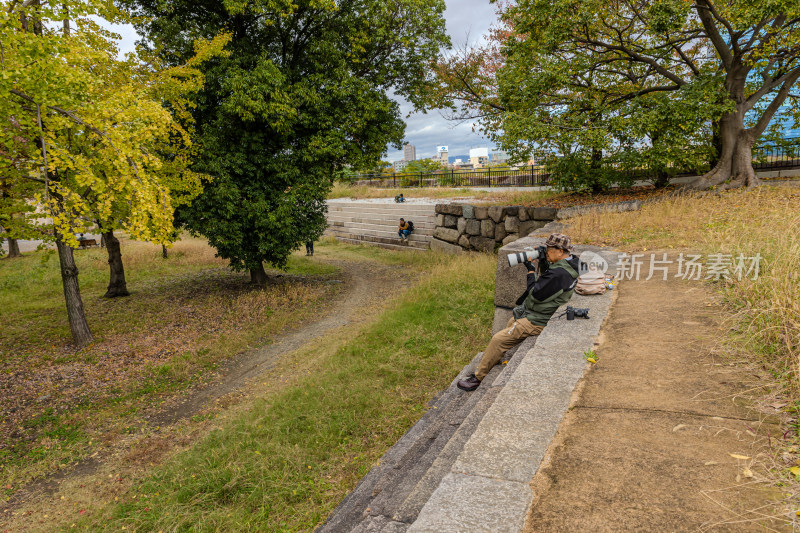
[{"x": 484, "y": 229}]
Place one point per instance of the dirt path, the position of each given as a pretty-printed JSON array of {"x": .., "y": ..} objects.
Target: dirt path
[
  {"x": 647, "y": 444},
  {"x": 365, "y": 284}
]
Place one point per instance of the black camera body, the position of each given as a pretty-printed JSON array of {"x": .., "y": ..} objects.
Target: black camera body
[{"x": 579, "y": 312}]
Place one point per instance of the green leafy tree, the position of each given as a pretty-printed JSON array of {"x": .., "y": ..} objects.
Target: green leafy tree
[
  {"x": 424, "y": 165},
  {"x": 703, "y": 77},
  {"x": 302, "y": 94},
  {"x": 89, "y": 130}
]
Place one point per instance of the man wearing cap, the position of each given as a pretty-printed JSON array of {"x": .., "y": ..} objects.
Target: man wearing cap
[{"x": 545, "y": 293}]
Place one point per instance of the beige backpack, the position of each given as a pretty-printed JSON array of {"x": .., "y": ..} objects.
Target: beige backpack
[{"x": 591, "y": 282}]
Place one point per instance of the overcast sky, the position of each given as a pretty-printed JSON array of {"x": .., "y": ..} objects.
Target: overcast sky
[{"x": 425, "y": 131}]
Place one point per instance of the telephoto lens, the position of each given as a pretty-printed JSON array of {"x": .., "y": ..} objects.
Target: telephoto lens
[{"x": 517, "y": 258}]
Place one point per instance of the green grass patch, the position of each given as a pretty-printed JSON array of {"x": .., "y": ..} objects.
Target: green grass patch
[
  {"x": 285, "y": 462},
  {"x": 185, "y": 314}
]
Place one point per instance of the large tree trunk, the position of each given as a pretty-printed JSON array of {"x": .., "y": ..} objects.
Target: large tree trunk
[
  {"x": 716, "y": 142},
  {"x": 164, "y": 254},
  {"x": 258, "y": 276},
  {"x": 595, "y": 163},
  {"x": 661, "y": 179},
  {"x": 116, "y": 284},
  {"x": 735, "y": 165},
  {"x": 13, "y": 248},
  {"x": 72, "y": 294}
]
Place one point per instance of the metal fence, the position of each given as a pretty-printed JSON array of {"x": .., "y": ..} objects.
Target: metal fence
[
  {"x": 485, "y": 177},
  {"x": 769, "y": 157},
  {"x": 777, "y": 156}
]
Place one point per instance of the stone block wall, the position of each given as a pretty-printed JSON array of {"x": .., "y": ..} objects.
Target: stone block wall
[{"x": 484, "y": 229}]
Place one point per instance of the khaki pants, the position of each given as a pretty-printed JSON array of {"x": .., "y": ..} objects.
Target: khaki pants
[{"x": 514, "y": 333}]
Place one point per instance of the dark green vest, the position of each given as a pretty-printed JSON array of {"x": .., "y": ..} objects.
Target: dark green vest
[{"x": 539, "y": 312}]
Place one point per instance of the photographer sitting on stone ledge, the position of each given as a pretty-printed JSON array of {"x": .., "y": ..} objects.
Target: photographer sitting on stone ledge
[{"x": 544, "y": 295}]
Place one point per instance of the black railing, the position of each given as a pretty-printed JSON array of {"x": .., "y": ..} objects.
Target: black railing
[
  {"x": 768, "y": 157},
  {"x": 484, "y": 177},
  {"x": 777, "y": 156}
]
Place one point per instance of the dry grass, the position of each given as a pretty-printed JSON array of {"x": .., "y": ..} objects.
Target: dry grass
[
  {"x": 764, "y": 221},
  {"x": 188, "y": 251},
  {"x": 343, "y": 190},
  {"x": 185, "y": 315}
]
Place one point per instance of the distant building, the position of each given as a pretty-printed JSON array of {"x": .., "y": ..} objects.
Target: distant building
[
  {"x": 499, "y": 156},
  {"x": 409, "y": 152},
  {"x": 478, "y": 157},
  {"x": 401, "y": 165},
  {"x": 442, "y": 154}
]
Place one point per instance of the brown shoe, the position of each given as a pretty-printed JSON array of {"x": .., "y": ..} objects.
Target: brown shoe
[{"x": 469, "y": 384}]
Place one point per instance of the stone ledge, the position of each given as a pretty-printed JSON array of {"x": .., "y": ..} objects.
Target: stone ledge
[
  {"x": 452, "y": 507},
  {"x": 487, "y": 488}
]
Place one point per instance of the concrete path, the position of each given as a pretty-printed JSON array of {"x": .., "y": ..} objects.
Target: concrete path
[{"x": 487, "y": 488}]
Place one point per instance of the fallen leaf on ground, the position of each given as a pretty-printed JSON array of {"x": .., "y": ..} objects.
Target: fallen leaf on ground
[
  {"x": 747, "y": 472},
  {"x": 679, "y": 426},
  {"x": 737, "y": 456}
]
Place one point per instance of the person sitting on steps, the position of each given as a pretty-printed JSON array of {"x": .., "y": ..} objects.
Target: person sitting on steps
[
  {"x": 405, "y": 230},
  {"x": 399, "y": 198},
  {"x": 544, "y": 295}
]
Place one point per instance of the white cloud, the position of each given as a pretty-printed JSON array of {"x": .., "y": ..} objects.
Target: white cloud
[{"x": 467, "y": 21}]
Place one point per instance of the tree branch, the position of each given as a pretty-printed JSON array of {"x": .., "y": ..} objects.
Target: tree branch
[
  {"x": 639, "y": 58},
  {"x": 776, "y": 103},
  {"x": 85, "y": 124},
  {"x": 704, "y": 11}
]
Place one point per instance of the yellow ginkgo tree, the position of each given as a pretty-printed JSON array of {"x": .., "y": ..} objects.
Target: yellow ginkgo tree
[{"x": 105, "y": 139}]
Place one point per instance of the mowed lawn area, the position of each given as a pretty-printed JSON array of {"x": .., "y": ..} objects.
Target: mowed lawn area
[
  {"x": 297, "y": 440},
  {"x": 185, "y": 314}
]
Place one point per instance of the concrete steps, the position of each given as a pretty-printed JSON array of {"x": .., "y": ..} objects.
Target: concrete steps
[
  {"x": 381, "y": 242},
  {"x": 375, "y": 224},
  {"x": 390, "y": 497},
  {"x": 419, "y": 241},
  {"x": 377, "y": 229}
]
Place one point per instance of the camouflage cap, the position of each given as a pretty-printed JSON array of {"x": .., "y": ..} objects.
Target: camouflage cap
[{"x": 559, "y": 240}]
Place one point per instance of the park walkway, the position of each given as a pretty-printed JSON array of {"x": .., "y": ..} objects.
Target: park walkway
[{"x": 662, "y": 435}]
